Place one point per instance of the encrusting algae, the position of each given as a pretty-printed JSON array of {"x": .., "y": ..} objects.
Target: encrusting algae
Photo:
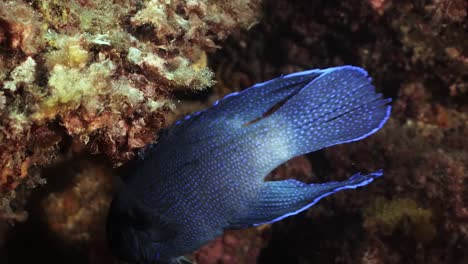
[
  {"x": 388, "y": 215},
  {"x": 97, "y": 76}
]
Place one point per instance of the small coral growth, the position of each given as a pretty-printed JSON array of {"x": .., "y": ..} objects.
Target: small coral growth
[
  {"x": 78, "y": 212},
  {"x": 389, "y": 215},
  {"x": 233, "y": 247},
  {"x": 21, "y": 28}
]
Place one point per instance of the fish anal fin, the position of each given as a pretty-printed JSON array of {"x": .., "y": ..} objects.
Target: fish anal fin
[{"x": 280, "y": 199}]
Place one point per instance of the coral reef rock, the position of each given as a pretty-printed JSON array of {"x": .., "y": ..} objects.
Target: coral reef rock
[{"x": 97, "y": 76}]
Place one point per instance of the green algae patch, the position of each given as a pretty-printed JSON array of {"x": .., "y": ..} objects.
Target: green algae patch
[
  {"x": 70, "y": 88},
  {"x": 403, "y": 214}
]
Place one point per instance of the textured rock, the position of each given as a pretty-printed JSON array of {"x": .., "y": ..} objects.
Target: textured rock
[{"x": 97, "y": 77}]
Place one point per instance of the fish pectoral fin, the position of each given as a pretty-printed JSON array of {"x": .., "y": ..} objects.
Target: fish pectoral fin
[
  {"x": 180, "y": 260},
  {"x": 280, "y": 199}
]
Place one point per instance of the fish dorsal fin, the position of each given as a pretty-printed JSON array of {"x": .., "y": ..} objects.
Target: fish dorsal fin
[
  {"x": 303, "y": 111},
  {"x": 280, "y": 199},
  {"x": 212, "y": 130},
  {"x": 239, "y": 108}
]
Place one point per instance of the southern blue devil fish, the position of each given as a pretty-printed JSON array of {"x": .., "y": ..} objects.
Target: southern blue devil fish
[{"x": 206, "y": 173}]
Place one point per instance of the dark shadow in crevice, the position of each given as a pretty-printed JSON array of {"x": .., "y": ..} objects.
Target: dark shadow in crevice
[{"x": 33, "y": 241}]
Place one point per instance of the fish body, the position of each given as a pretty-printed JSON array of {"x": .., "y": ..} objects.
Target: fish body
[{"x": 206, "y": 173}]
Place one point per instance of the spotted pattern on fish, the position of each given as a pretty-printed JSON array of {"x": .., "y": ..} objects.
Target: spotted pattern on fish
[{"x": 207, "y": 172}]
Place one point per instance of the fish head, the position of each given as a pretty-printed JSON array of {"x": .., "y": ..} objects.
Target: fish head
[{"x": 134, "y": 233}]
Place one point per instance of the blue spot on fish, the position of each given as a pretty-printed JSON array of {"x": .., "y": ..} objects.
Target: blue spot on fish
[{"x": 206, "y": 174}]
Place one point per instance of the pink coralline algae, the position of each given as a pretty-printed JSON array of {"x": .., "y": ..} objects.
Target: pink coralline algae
[{"x": 233, "y": 247}]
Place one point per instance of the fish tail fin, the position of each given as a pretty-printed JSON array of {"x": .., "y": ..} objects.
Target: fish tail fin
[
  {"x": 280, "y": 199},
  {"x": 339, "y": 106}
]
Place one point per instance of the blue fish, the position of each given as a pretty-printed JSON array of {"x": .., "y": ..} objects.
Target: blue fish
[{"x": 206, "y": 174}]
